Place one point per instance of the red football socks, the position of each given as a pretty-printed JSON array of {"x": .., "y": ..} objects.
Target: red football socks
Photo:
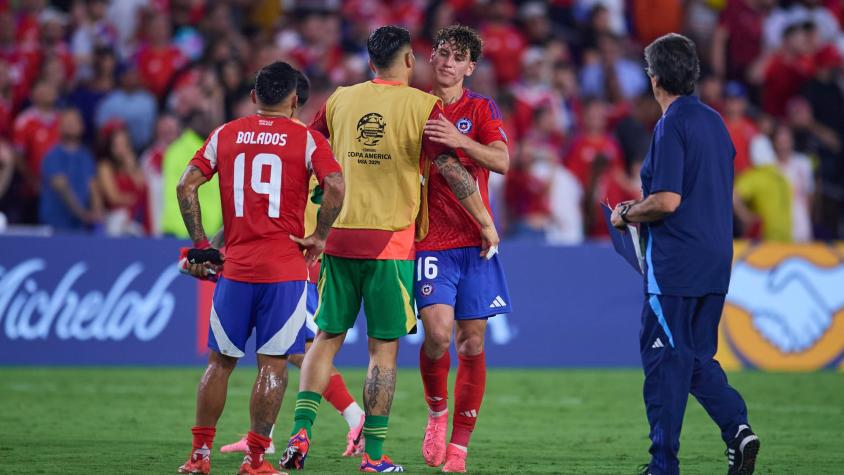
[
  {"x": 258, "y": 444},
  {"x": 203, "y": 437},
  {"x": 337, "y": 393},
  {"x": 435, "y": 380},
  {"x": 468, "y": 395}
]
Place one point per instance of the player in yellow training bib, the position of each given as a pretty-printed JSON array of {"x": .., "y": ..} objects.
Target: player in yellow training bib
[{"x": 376, "y": 132}]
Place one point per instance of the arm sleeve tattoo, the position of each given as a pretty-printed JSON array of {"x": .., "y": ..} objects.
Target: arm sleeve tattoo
[
  {"x": 455, "y": 174},
  {"x": 189, "y": 202},
  {"x": 332, "y": 203}
]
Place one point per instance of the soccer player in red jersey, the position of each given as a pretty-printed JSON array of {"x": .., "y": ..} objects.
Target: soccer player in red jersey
[
  {"x": 336, "y": 393},
  {"x": 454, "y": 282},
  {"x": 264, "y": 162}
]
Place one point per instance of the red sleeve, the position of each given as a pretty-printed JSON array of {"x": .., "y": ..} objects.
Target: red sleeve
[
  {"x": 320, "y": 124},
  {"x": 491, "y": 128},
  {"x": 321, "y": 159},
  {"x": 432, "y": 149},
  {"x": 206, "y": 157}
]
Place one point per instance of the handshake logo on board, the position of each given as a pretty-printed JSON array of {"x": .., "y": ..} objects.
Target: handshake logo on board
[
  {"x": 785, "y": 308},
  {"x": 29, "y": 310}
]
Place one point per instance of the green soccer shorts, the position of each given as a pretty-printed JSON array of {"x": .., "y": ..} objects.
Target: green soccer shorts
[{"x": 386, "y": 287}]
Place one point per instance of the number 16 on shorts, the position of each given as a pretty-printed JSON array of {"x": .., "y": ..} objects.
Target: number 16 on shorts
[
  {"x": 426, "y": 266},
  {"x": 474, "y": 286}
]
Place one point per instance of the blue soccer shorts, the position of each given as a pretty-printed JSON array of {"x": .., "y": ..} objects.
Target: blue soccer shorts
[
  {"x": 276, "y": 311},
  {"x": 312, "y": 304},
  {"x": 474, "y": 286}
]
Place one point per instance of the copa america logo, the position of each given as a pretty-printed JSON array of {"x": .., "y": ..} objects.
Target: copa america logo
[
  {"x": 371, "y": 129},
  {"x": 464, "y": 125},
  {"x": 427, "y": 289}
]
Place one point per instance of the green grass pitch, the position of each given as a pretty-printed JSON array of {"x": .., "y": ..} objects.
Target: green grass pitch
[{"x": 137, "y": 420}]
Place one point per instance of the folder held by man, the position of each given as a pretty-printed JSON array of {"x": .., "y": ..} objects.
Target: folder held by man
[{"x": 627, "y": 243}]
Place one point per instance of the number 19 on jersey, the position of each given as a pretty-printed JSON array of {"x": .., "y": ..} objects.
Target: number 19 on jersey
[{"x": 271, "y": 188}]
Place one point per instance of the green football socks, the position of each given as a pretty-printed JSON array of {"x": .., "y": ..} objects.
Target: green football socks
[
  {"x": 374, "y": 432},
  {"x": 307, "y": 406}
]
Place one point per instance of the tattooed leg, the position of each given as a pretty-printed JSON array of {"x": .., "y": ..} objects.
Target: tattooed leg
[
  {"x": 380, "y": 385},
  {"x": 267, "y": 393}
]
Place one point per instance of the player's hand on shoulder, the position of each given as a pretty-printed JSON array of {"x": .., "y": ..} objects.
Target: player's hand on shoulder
[
  {"x": 312, "y": 245},
  {"x": 489, "y": 236},
  {"x": 442, "y": 131}
]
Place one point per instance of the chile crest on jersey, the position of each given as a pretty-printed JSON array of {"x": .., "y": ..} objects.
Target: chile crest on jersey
[{"x": 464, "y": 125}]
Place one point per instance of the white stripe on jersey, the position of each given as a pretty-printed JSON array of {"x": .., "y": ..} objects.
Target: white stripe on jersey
[
  {"x": 309, "y": 151},
  {"x": 211, "y": 149}
]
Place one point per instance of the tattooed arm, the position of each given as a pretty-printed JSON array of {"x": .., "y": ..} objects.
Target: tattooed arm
[
  {"x": 334, "y": 190},
  {"x": 465, "y": 188},
  {"x": 187, "y": 189}
]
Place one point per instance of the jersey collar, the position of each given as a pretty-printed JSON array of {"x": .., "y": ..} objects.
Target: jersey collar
[
  {"x": 458, "y": 101},
  {"x": 386, "y": 83},
  {"x": 682, "y": 100}
]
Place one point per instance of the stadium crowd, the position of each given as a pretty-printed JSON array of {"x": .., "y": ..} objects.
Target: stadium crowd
[{"x": 102, "y": 103}]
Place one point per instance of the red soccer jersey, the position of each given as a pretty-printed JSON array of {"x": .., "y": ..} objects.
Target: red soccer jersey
[
  {"x": 24, "y": 64},
  {"x": 584, "y": 149},
  {"x": 449, "y": 224},
  {"x": 784, "y": 77},
  {"x": 742, "y": 131},
  {"x": 34, "y": 135},
  {"x": 157, "y": 66},
  {"x": 264, "y": 165},
  {"x": 504, "y": 45},
  {"x": 580, "y": 161}
]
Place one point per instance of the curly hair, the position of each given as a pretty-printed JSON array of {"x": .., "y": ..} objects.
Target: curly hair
[
  {"x": 673, "y": 60},
  {"x": 463, "y": 38}
]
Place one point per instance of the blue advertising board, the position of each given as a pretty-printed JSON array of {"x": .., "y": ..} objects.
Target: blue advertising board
[
  {"x": 74, "y": 300},
  {"x": 80, "y": 300}
]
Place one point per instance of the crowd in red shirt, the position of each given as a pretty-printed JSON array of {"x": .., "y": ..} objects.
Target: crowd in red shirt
[{"x": 567, "y": 75}]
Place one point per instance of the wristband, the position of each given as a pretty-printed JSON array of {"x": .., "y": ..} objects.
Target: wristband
[
  {"x": 201, "y": 256},
  {"x": 623, "y": 214},
  {"x": 202, "y": 244}
]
